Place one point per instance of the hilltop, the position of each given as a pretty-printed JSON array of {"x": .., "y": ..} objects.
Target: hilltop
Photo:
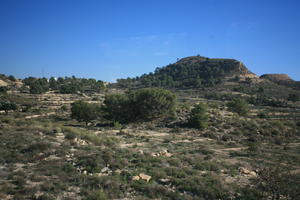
[{"x": 277, "y": 77}]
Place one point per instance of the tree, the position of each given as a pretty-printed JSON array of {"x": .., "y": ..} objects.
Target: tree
[
  {"x": 6, "y": 106},
  {"x": 198, "y": 117},
  {"x": 3, "y": 89},
  {"x": 53, "y": 83},
  {"x": 12, "y": 78},
  {"x": 117, "y": 107},
  {"x": 153, "y": 103},
  {"x": 38, "y": 86},
  {"x": 294, "y": 97},
  {"x": 84, "y": 112},
  {"x": 239, "y": 106},
  {"x": 140, "y": 105}
]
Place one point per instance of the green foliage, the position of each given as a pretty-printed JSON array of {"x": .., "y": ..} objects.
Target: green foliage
[
  {"x": 194, "y": 71},
  {"x": 67, "y": 85},
  {"x": 198, "y": 117},
  {"x": 37, "y": 85},
  {"x": 144, "y": 104},
  {"x": 294, "y": 97},
  {"x": 278, "y": 183},
  {"x": 239, "y": 106},
  {"x": 84, "y": 112},
  {"x": 6, "y": 106},
  {"x": 11, "y": 78},
  {"x": 3, "y": 89}
]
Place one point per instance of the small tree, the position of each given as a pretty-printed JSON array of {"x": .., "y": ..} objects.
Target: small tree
[
  {"x": 84, "y": 112},
  {"x": 6, "y": 106},
  {"x": 294, "y": 97},
  {"x": 12, "y": 78},
  {"x": 39, "y": 86},
  {"x": 239, "y": 106},
  {"x": 198, "y": 116},
  {"x": 3, "y": 89}
]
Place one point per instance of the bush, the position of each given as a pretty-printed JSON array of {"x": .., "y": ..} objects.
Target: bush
[
  {"x": 84, "y": 112},
  {"x": 144, "y": 104},
  {"x": 198, "y": 117},
  {"x": 239, "y": 106}
]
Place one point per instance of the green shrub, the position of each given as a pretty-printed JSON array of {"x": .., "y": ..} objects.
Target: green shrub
[
  {"x": 70, "y": 135},
  {"x": 97, "y": 195},
  {"x": 239, "y": 106},
  {"x": 207, "y": 166}
]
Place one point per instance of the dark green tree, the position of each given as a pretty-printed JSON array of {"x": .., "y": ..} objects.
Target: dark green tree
[
  {"x": 12, "y": 78},
  {"x": 38, "y": 86},
  {"x": 294, "y": 97},
  {"x": 3, "y": 89},
  {"x": 198, "y": 117},
  {"x": 53, "y": 83},
  {"x": 84, "y": 112},
  {"x": 140, "y": 105},
  {"x": 6, "y": 106}
]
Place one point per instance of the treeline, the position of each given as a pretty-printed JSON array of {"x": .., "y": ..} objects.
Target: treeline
[
  {"x": 66, "y": 85},
  {"x": 146, "y": 104},
  {"x": 190, "y": 72}
]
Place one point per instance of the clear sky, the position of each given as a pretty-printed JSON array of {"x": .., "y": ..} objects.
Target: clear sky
[{"x": 110, "y": 39}]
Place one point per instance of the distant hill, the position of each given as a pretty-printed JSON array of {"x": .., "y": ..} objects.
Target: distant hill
[
  {"x": 191, "y": 72},
  {"x": 217, "y": 78},
  {"x": 276, "y": 77},
  {"x": 282, "y": 79}
]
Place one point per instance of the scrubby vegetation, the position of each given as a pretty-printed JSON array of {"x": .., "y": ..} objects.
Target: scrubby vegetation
[{"x": 235, "y": 140}]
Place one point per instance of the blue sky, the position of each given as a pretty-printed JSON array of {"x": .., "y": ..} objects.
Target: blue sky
[{"x": 110, "y": 39}]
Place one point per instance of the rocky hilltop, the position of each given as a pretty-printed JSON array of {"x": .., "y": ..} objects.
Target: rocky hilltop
[
  {"x": 276, "y": 77},
  {"x": 193, "y": 72}
]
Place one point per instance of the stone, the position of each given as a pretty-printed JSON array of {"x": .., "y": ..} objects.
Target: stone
[
  {"x": 245, "y": 171},
  {"x": 145, "y": 177},
  {"x": 164, "y": 180},
  {"x": 105, "y": 169},
  {"x": 135, "y": 178}
]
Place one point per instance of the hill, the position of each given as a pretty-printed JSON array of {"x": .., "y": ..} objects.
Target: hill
[
  {"x": 277, "y": 77},
  {"x": 282, "y": 79},
  {"x": 216, "y": 78},
  {"x": 191, "y": 72}
]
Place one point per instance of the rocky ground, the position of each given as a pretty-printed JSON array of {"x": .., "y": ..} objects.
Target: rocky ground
[{"x": 46, "y": 155}]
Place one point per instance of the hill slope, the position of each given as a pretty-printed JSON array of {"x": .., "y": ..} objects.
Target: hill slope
[{"x": 191, "y": 72}]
